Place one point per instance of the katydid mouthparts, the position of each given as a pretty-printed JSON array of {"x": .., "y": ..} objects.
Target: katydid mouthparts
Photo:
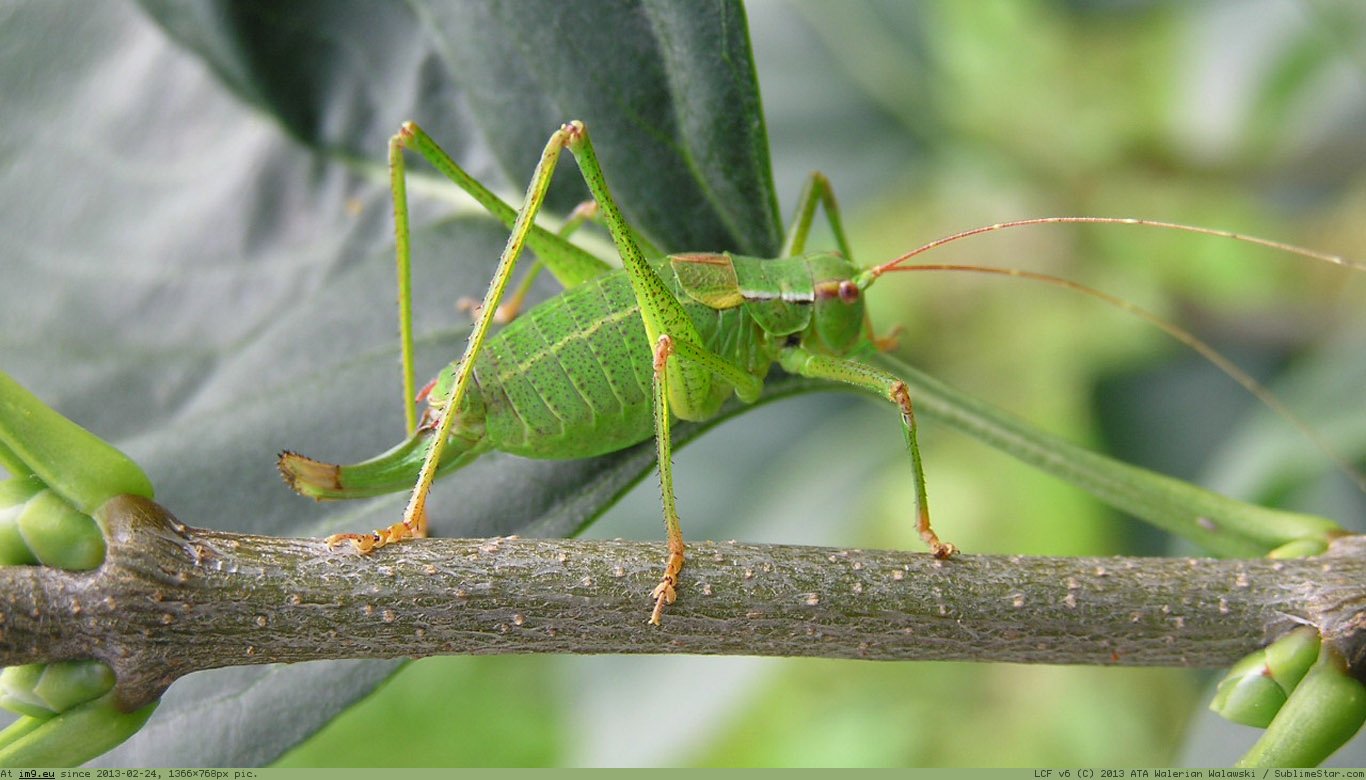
[{"x": 611, "y": 360}]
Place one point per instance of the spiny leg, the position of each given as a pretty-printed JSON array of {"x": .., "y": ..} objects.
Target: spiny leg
[
  {"x": 660, "y": 311},
  {"x": 798, "y": 360},
  {"x": 398, "y": 188},
  {"x": 414, "y": 520}
]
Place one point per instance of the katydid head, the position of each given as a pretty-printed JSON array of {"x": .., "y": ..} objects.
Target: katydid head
[
  {"x": 866, "y": 277},
  {"x": 839, "y": 313},
  {"x": 812, "y": 294}
]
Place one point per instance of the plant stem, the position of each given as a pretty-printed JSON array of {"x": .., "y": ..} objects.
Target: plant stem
[{"x": 170, "y": 600}]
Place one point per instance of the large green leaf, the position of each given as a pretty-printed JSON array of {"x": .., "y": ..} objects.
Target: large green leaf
[
  {"x": 668, "y": 90},
  {"x": 197, "y": 262}
]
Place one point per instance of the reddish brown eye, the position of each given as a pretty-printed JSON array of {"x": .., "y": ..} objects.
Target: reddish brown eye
[{"x": 844, "y": 289}]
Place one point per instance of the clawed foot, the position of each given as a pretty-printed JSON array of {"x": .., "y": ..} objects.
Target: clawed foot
[
  {"x": 364, "y": 543},
  {"x": 940, "y": 550},
  {"x": 943, "y": 550},
  {"x": 368, "y": 543},
  {"x": 664, "y": 595},
  {"x": 665, "y": 592}
]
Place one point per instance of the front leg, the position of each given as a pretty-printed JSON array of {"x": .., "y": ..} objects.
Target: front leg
[{"x": 798, "y": 360}]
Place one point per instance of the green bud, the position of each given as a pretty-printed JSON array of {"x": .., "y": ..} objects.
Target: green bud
[
  {"x": 1256, "y": 687},
  {"x": 14, "y": 495},
  {"x": 61, "y": 475},
  {"x": 1247, "y": 694},
  {"x": 71, "y": 738},
  {"x": 1326, "y": 709},
  {"x": 42, "y": 528},
  {"x": 44, "y": 690},
  {"x": 59, "y": 535},
  {"x": 74, "y": 463},
  {"x": 1290, "y": 657}
]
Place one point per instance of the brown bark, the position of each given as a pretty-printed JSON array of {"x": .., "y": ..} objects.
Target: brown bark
[{"x": 171, "y": 599}]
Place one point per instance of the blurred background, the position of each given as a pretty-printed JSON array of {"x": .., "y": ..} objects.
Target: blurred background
[{"x": 931, "y": 117}]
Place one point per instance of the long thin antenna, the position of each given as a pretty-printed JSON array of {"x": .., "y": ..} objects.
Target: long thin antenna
[
  {"x": 1312, "y": 254},
  {"x": 1259, "y": 391}
]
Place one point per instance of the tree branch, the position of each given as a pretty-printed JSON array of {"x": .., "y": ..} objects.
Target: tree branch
[{"x": 170, "y": 600}]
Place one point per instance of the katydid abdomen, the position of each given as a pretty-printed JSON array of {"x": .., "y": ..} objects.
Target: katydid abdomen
[{"x": 571, "y": 378}]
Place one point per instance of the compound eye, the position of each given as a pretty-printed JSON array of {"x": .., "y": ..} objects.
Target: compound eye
[{"x": 849, "y": 291}]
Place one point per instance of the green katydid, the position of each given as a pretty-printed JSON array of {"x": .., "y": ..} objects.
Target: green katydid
[{"x": 612, "y": 359}]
